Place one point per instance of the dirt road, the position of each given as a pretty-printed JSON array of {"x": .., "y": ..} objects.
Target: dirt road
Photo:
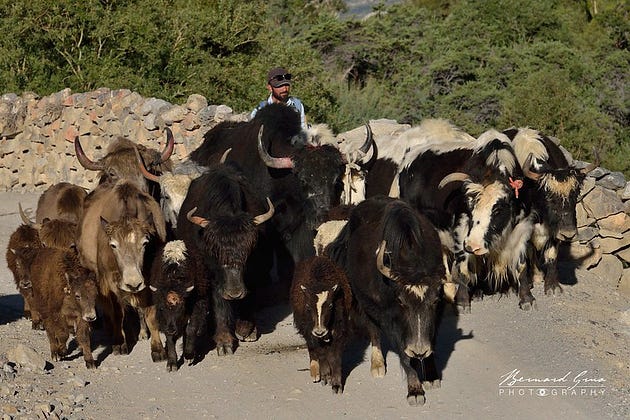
[{"x": 569, "y": 359}]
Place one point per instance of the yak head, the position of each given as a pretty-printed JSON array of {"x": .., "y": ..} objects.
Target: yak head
[
  {"x": 81, "y": 286},
  {"x": 127, "y": 239},
  {"x": 229, "y": 239},
  {"x": 120, "y": 160}
]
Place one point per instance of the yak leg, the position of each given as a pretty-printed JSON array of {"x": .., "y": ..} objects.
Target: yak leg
[
  {"x": 84, "y": 341},
  {"x": 223, "y": 320},
  {"x": 171, "y": 352},
  {"x": 245, "y": 329},
  {"x": 430, "y": 376},
  {"x": 57, "y": 333},
  {"x": 113, "y": 320},
  {"x": 196, "y": 327},
  {"x": 157, "y": 349},
  {"x": 335, "y": 356},
  {"x": 377, "y": 361},
  {"x": 550, "y": 268},
  {"x": 526, "y": 299},
  {"x": 415, "y": 392},
  {"x": 144, "y": 330}
]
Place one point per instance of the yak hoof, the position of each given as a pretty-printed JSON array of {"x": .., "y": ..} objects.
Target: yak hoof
[
  {"x": 337, "y": 389},
  {"x": 158, "y": 356},
  {"x": 90, "y": 364},
  {"x": 224, "y": 350},
  {"x": 119, "y": 349},
  {"x": 377, "y": 370},
  {"x": 432, "y": 384},
  {"x": 37, "y": 325},
  {"x": 189, "y": 360},
  {"x": 416, "y": 399},
  {"x": 555, "y": 289},
  {"x": 528, "y": 305},
  {"x": 171, "y": 366},
  {"x": 252, "y": 336},
  {"x": 143, "y": 335}
]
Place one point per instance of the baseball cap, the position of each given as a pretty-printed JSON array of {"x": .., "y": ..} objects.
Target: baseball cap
[{"x": 278, "y": 76}]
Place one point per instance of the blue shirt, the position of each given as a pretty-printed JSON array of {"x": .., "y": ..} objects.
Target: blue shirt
[{"x": 293, "y": 102}]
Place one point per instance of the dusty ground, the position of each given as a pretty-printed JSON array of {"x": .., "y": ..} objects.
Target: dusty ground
[{"x": 578, "y": 342}]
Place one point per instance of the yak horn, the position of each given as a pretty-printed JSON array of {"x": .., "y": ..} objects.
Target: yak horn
[
  {"x": 83, "y": 159},
  {"x": 198, "y": 220},
  {"x": 26, "y": 220},
  {"x": 148, "y": 175},
  {"x": 527, "y": 168},
  {"x": 380, "y": 265},
  {"x": 455, "y": 176},
  {"x": 593, "y": 165},
  {"x": 170, "y": 146},
  {"x": 225, "y": 155},
  {"x": 272, "y": 162},
  {"x": 369, "y": 138},
  {"x": 261, "y": 218}
]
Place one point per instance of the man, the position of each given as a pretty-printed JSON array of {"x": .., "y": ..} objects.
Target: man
[{"x": 279, "y": 87}]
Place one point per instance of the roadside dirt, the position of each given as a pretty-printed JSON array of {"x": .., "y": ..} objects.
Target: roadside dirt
[{"x": 570, "y": 358}]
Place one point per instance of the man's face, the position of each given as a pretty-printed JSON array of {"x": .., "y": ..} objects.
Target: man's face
[{"x": 280, "y": 94}]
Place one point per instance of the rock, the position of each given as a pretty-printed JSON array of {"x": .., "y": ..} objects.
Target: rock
[
  {"x": 624, "y": 287},
  {"x": 611, "y": 244},
  {"x": 173, "y": 115},
  {"x": 587, "y": 186},
  {"x": 619, "y": 222},
  {"x": 26, "y": 357},
  {"x": 601, "y": 203},
  {"x": 587, "y": 233},
  {"x": 624, "y": 254},
  {"x": 612, "y": 181},
  {"x": 196, "y": 103},
  {"x": 625, "y": 194},
  {"x": 596, "y": 173},
  {"x": 154, "y": 106},
  {"x": 609, "y": 269},
  {"x": 581, "y": 255}
]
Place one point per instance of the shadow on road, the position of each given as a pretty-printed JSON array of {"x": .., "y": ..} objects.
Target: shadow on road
[{"x": 11, "y": 308}]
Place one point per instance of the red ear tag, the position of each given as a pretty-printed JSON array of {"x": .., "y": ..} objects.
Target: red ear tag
[{"x": 516, "y": 184}]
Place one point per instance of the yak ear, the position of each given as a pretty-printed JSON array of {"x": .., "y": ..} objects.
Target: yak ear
[{"x": 158, "y": 219}]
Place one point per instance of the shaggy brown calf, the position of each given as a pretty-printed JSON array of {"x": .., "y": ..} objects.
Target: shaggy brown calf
[
  {"x": 321, "y": 299},
  {"x": 64, "y": 294},
  {"x": 25, "y": 236},
  {"x": 180, "y": 293}
]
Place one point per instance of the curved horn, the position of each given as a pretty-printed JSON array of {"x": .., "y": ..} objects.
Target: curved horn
[
  {"x": 148, "y": 175},
  {"x": 369, "y": 138},
  {"x": 225, "y": 155},
  {"x": 455, "y": 176},
  {"x": 527, "y": 169},
  {"x": 380, "y": 265},
  {"x": 83, "y": 159},
  {"x": 272, "y": 162},
  {"x": 261, "y": 218},
  {"x": 198, "y": 220},
  {"x": 593, "y": 165},
  {"x": 26, "y": 220},
  {"x": 170, "y": 146}
]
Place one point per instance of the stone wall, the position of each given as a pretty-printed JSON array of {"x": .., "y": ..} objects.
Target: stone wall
[
  {"x": 37, "y": 150},
  {"x": 37, "y": 134}
]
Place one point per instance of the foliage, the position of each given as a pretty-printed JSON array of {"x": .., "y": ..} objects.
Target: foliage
[{"x": 557, "y": 65}]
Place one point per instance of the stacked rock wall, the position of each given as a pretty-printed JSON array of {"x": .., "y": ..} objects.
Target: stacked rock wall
[{"x": 37, "y": 150}]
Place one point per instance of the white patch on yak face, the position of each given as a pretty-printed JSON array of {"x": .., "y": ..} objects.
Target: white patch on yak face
[
  {"x": 321, "y": 300},
  {"x": 482, "y": 202},
  {"x": 174, "y": 252}
]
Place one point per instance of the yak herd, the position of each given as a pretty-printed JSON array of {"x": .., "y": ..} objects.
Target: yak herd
[{"x": 371, "y": 238}]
